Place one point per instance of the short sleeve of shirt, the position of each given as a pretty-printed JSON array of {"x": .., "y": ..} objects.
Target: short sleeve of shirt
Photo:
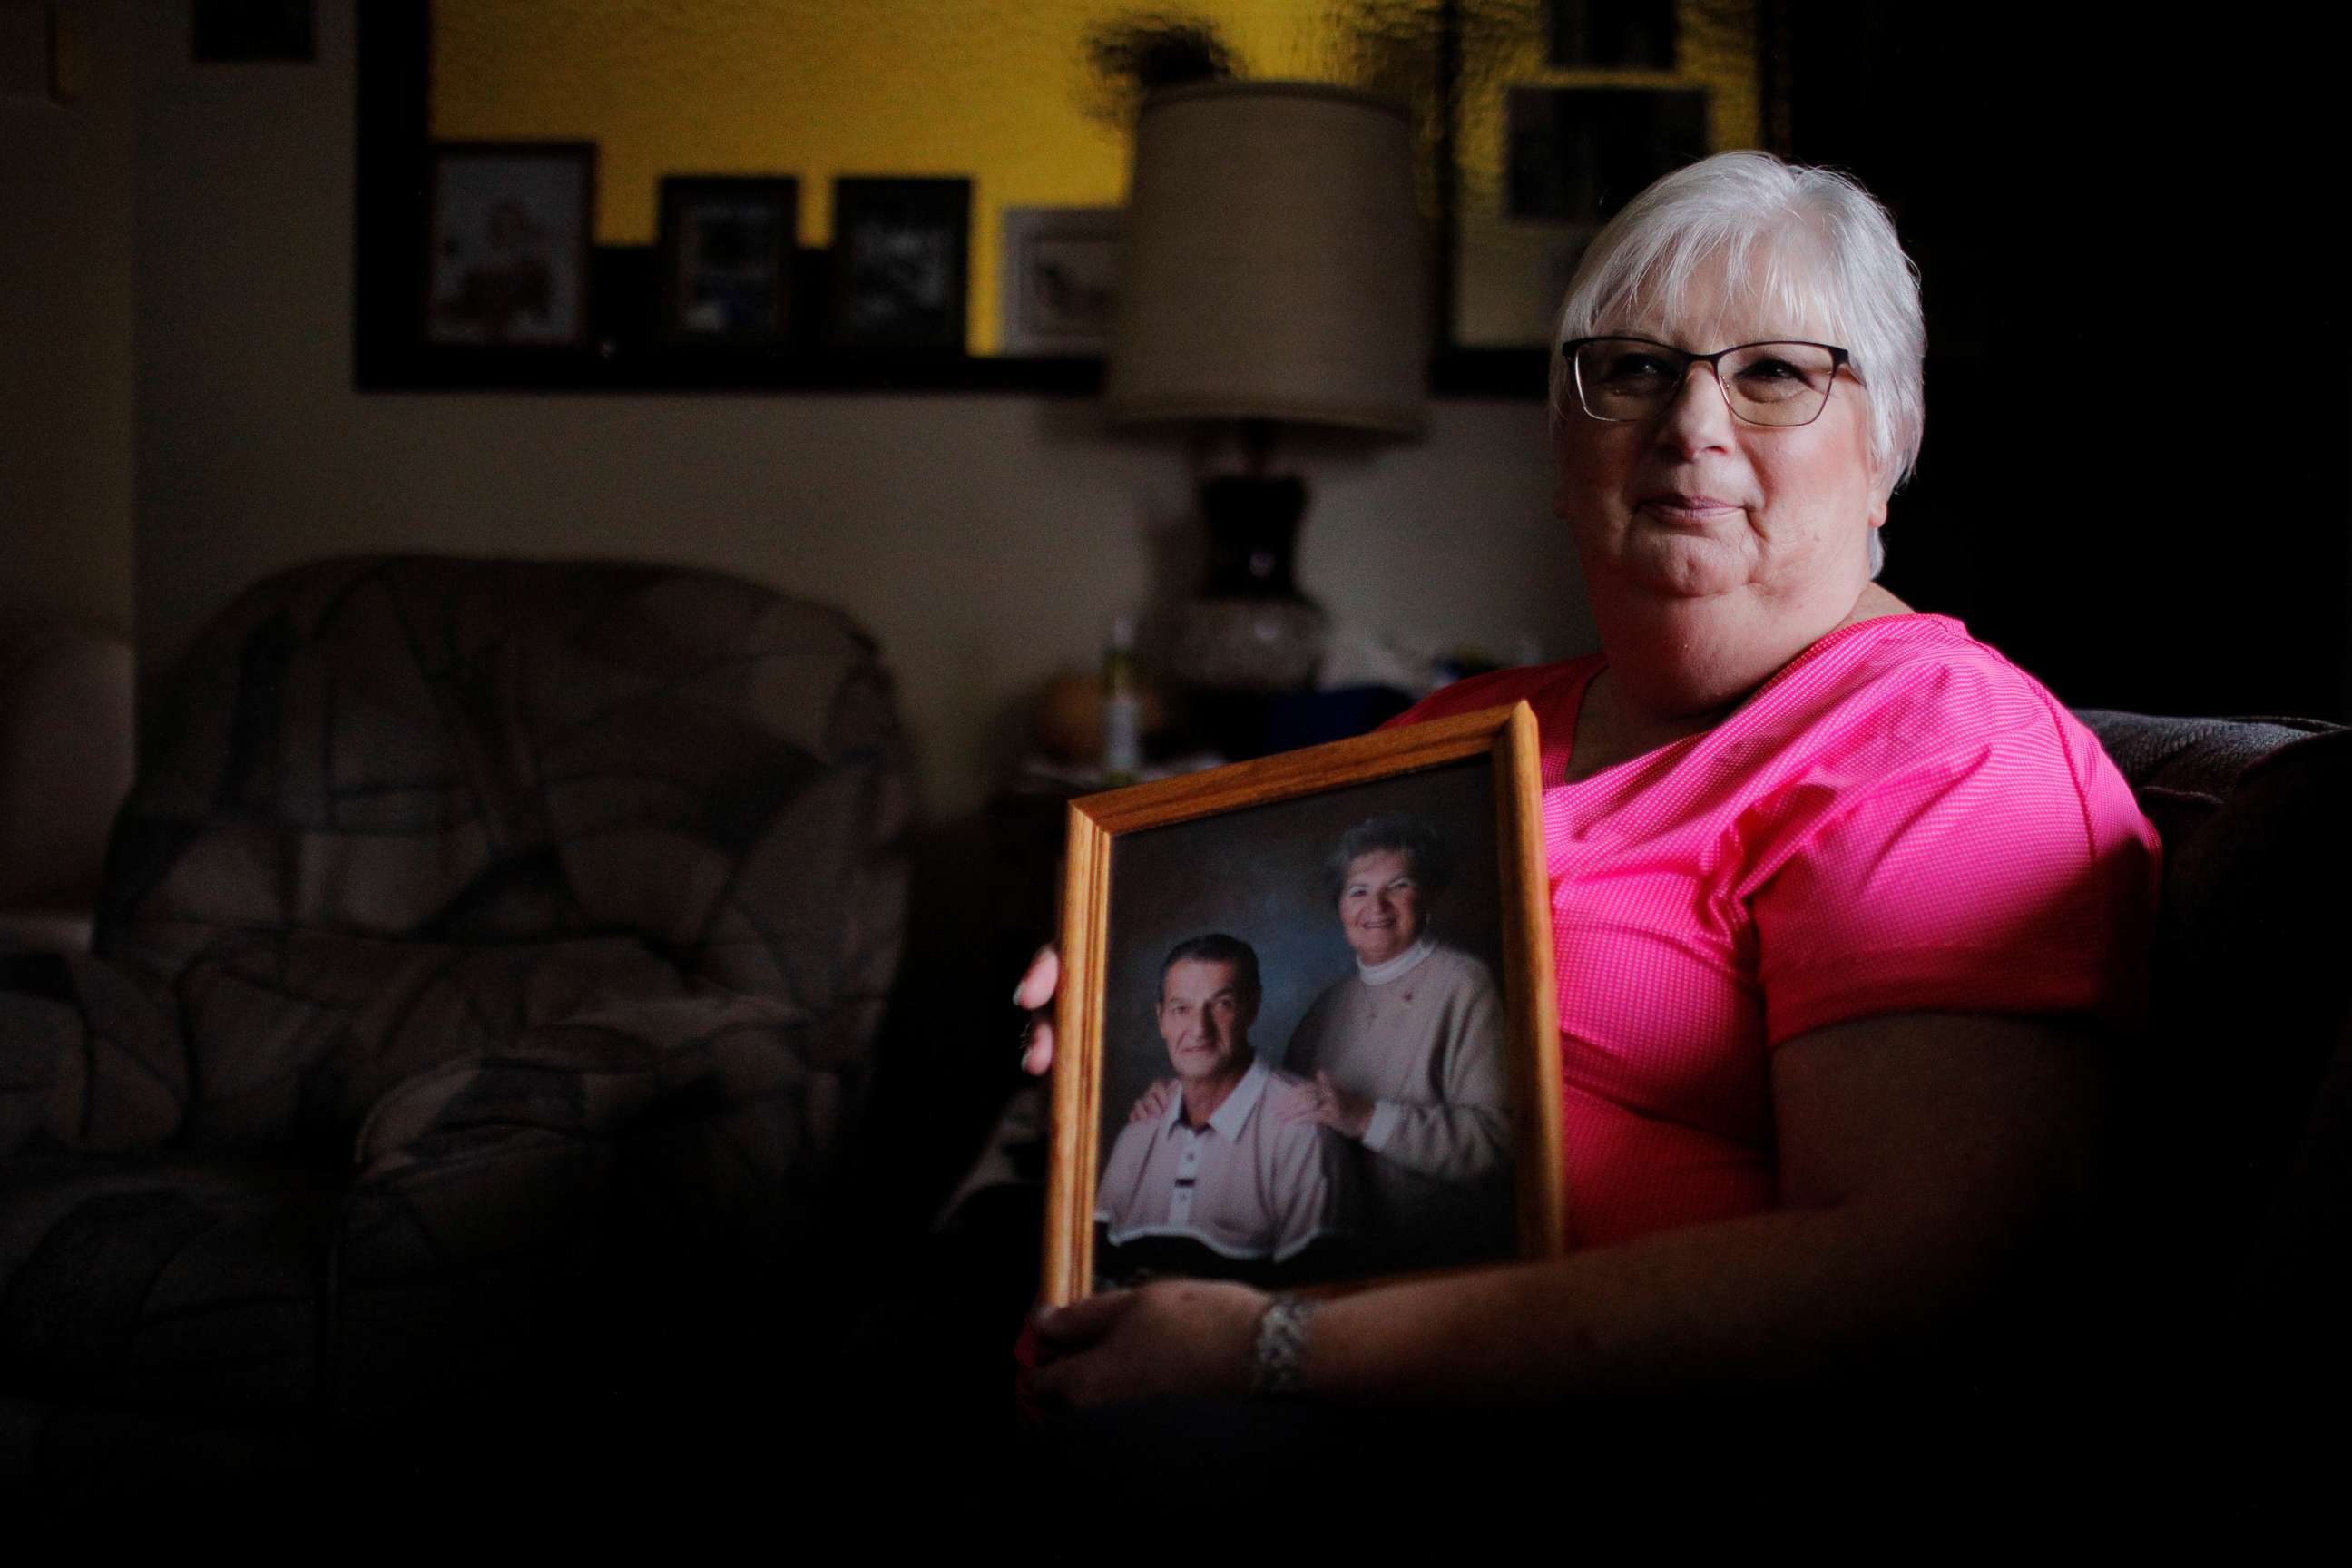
[{"x": 1973, "y": 851}]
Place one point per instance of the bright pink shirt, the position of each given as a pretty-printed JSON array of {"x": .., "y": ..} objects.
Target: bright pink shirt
[{"x": 1901, "y": 820}]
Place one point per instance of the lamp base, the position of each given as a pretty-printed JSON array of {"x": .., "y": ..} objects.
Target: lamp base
[{"x": 1251, "y": 629}]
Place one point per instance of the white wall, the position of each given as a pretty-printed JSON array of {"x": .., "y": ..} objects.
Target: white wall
[
  {"x": 984, "y": 540},
  {"x": 65, "y": 386}
]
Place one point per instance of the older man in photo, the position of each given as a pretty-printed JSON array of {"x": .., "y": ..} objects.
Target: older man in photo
[{"x": 1222, "y": 1181}]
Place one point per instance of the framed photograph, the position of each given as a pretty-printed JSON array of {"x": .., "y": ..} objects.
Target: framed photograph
[
  {"x": 512, "y": 226},
  {"x": 1059, "y": 280},
  {"x": 727, "y": 247},
  {"x": 1306, "y": 1020},
  {"x": 901, "y": 263},
  {"x": 242, "y": 32},
  {"x": 1614, "y": 35},
  {"x": 1578, "y": 154}
]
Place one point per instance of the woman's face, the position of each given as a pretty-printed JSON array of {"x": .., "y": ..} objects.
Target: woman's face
[
  {"x": 1381, "y": 908},
  {"x": 1693, "y": 504}
]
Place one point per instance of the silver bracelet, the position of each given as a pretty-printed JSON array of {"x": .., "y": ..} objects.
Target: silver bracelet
[{"x": 1281, "y": 1356}]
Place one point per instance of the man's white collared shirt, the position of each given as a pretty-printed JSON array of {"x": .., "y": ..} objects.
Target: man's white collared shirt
[{"x": 1250, "y": 1184}]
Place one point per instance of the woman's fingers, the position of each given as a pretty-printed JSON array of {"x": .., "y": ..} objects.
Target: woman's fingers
[
  {"x": 1063, "y": 1331},
  {"x": 1035, "y": 993},
  {"x": 1191, "y": 1337},
  {"x": 1038, "y": 984},
  {"x": 1349, "y": 1115},
  {"x": 1153, "y": 1101},
  {"x": 1037, "y": 1054}
]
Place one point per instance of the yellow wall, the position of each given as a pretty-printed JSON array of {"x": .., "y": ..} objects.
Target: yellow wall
[{"x": 995, "y": 89}]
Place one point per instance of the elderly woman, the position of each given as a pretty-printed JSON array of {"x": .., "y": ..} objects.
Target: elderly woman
[
  {"x": 1406, "y": 1054},
  {"x": 1838, "y": 893}
]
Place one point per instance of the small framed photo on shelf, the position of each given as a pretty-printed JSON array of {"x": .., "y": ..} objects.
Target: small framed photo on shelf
[
  {"x": 1306, "y": 1022},
  {"x": 727, "y": 247},
  {"x": 512, "y": 226},
  {"x": 901, "y": 263},
  {"x": 1059, "y": 280}
]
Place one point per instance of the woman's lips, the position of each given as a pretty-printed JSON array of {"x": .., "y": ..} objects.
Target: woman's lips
[{"x": 1674, "y": 506}]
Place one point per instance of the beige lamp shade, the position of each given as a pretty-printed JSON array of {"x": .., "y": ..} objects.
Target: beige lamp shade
[{"x": 1274, "y": 264}]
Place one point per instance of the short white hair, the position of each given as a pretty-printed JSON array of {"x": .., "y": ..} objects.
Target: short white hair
[{"x": 1810, "y": 244}]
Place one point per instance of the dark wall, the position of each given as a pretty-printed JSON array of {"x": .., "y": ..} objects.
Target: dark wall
[{"x": 2135, "y": 480}]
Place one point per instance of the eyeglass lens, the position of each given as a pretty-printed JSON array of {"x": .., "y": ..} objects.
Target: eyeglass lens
[{"x": 1765, "y": 384}]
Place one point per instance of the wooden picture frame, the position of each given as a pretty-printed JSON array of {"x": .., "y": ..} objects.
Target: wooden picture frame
[
  {"x": 727, "y": 246},
  {"x": 510, "y": 228},
  {"x": 1229, "y": 849},
  {"x": 901, "y": 263}
]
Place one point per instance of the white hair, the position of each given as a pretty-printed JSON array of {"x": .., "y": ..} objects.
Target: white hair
[{"x": 1807, "y": 245}]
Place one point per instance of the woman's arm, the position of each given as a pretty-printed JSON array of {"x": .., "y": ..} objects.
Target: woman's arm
[{"x": 1916, "y": 1152}]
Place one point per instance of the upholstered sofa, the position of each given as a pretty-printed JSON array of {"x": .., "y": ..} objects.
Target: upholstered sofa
[
  {"x": 485, "y": 986},
  {"x": 2230, "y": 1289}
]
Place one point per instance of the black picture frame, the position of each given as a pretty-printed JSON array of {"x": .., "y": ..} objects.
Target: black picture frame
[
  {"x": 1578, "y": 154},
  {"x": 1615, "y": 35},
  {"x": 900, "y": 264},
  {"x": 252, "y": 32},
  {"x": 510, "y": 229},
  {"x": 725, "y": 256}
]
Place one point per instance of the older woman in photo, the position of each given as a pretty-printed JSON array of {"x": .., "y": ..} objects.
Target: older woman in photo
[
  {"x": 1839, "y": 895},
  {"x": 1405, "y": 1055}
]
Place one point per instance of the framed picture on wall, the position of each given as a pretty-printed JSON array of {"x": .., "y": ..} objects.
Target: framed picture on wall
[
  {"x": 1307, "y": 1018},
  {"x": 901, "y": 263},
  {"x": 1578, "y": 154},
  {"x": 1059, "y": 280},
  {"x": 1611, "y": 34},
  {"x": 512, "y": 226},
  {"x": 243, "y": 32},
  {"x": 727, "y": 247}
]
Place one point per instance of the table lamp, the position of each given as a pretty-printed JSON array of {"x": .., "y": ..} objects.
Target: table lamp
[{"x": 1274, "y": 273}]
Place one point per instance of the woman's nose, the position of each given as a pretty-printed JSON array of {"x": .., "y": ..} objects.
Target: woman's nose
[{"x": 1699, "y": 416}]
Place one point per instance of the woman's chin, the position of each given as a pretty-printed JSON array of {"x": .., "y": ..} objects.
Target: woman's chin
[{"x": 1685, "y": 566}]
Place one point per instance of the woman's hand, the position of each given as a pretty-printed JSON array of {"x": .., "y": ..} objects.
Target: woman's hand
[
  {"x": 1035, "y": 993},
  {"x": 1190, "y": 1337},
  {"x": 1348, "y": 1115}
]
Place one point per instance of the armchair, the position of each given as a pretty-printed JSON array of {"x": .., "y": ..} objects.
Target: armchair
[{"x": 489, "y": 959}]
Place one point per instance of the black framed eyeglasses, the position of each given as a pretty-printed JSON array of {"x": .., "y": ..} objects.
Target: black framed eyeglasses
[{"x": 1781, "y": 383}]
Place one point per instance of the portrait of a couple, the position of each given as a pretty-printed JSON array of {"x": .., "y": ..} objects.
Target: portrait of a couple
[{"x": 1310, "y": 1117}]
